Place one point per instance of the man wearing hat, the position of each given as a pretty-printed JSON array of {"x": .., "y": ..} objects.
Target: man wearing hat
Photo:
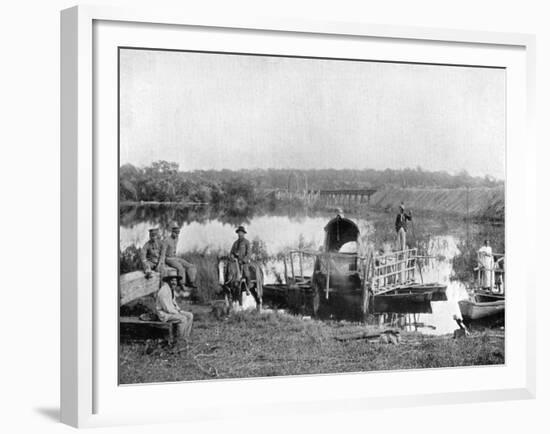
[
  {"x": 401, "y": 227},
  {"x": 186, "y": 270},
  {"x": 241, "y": 252},
  {"x": 167, "y": 308},
  {"x": 150, "y": 253}
]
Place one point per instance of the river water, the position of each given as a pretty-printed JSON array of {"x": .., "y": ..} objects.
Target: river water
[{"x": 207, "y": 231}]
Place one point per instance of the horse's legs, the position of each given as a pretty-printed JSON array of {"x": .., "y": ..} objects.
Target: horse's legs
[
  {"x": 257, "y": 297},
  {"x": 255, "y": 294},
  {"x": 238, "y": 294}
]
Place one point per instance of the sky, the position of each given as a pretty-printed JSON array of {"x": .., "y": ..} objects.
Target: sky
[{"x": 222, "y": 111}]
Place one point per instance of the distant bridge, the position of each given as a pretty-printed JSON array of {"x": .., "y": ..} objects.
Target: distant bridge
[
  {"x": 337, "y": 196},
  {"x": 343, "y": 195},
  {"x": 298, "y": 188}
]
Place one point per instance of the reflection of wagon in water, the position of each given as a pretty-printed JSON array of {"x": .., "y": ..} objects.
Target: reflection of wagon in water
[{"x": 340, "y": 276}]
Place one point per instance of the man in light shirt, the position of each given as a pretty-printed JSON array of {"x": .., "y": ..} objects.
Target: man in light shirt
[
  {"x": 487, "y": 265},
  {"x": 167, "y": 308}
]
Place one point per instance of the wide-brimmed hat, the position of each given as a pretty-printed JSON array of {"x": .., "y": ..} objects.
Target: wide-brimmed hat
[
  {"x": 170, "y": 275},
  {"x": 402, "y": 205},
  {"x": 175, "y": 226},
  {"x": 241, "y": 229},
  {"x": 153, "y": 230}
]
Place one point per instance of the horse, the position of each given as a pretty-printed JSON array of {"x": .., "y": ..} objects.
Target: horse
[{"x": 233, "y": 284}]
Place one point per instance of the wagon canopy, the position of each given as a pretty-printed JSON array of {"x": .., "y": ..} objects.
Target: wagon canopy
[{"x": 340, "y": 231}]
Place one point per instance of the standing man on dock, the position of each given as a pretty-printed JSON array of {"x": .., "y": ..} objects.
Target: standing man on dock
[
  {"x": 241, "y": 252},
  {"x": 487, "y": 266},
  {"x": 401, "y": 227},
  {"x": 150, "y": 253},
  {"x": 186, "y": 270}
]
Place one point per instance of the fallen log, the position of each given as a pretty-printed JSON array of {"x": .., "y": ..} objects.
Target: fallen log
[{"x": 366, "y": 335}]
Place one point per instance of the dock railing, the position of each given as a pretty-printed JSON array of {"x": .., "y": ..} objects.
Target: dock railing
[
  {"x": 378, "y": 273},
  {"x": 330, "y": 263},
  {"x": 496, "y": 273},
  {"x": 392, "y": 270}
]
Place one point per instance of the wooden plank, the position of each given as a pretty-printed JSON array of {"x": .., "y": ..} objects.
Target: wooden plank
[
  {"x": 134, "y": 285},
  {"x": 136, "y": 320},
  {"x": 171, "y": 326}
]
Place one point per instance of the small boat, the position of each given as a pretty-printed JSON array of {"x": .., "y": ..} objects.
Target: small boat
[{"x": 481, "y": 306}]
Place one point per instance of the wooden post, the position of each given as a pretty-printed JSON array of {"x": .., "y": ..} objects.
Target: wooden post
[
  {"x": 286, "y": 270},
  {"x": 300, "y": 255},
  {"x": 366, "y": 300},
  {"x": 328, "y": 276},
  {"x": 173, "y": 332},
  {"x": 292, "y": 266}
]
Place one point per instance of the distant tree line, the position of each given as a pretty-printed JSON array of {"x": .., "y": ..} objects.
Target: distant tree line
[{"x": 162, "y": 181}]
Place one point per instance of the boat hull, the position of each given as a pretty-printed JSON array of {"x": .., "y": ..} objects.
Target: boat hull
[{"x": 481, "y": 306}]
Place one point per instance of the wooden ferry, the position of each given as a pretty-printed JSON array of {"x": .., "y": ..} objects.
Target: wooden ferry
[{"x": 378, "y": 283}]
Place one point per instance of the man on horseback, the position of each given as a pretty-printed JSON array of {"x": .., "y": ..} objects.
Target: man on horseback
[{"x": 241, "y": 252}]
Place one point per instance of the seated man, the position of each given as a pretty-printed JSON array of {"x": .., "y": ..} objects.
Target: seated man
[
  {"x": 186, "y": 270},
  {"x": 150, "y": 253},
  {"x": 167, "y": 308},
  {"x": 241, "y": 252}
]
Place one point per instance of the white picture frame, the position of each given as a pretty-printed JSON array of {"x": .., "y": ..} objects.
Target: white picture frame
[{"x": 89, "y": 397}]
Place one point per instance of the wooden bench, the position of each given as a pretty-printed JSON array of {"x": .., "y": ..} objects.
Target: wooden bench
[{"x": 131, "y": 323}]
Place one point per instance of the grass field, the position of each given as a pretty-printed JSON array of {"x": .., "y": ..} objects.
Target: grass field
[{"x": 252, "y": 344}]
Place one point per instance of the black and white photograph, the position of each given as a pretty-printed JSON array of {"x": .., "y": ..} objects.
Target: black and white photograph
[{"x": 284, "y": 215}]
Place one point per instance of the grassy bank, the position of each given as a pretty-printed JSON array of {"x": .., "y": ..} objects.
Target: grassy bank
[
  {"x": 250, "y": 344},
  {"x": 480, "y": 203}
]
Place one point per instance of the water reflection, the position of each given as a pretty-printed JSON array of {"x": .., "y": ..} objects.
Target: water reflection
[{"x": 209, "y": 230}]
